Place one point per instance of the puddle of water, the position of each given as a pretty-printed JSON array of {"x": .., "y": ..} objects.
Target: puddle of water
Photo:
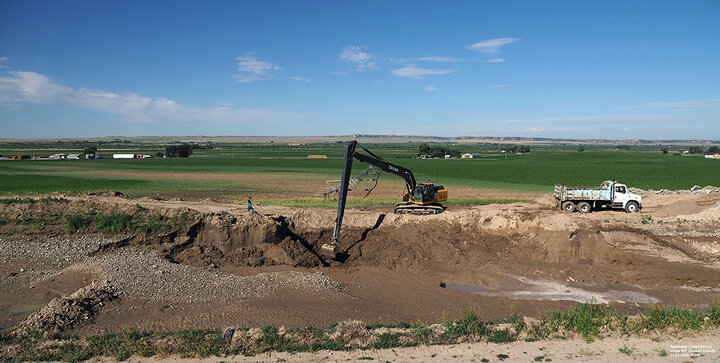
[
  {"x": 467, "y": 288},
  {"x": 23, "y": 308},
  {"x": 528, "y": 289}
]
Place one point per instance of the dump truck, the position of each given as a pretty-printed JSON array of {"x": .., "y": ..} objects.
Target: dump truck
[{"x": 609, "y": 195}]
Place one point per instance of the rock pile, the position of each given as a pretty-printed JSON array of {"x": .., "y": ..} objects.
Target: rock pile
[
  {"x": 69, "y": 311},
  {"x": 694, "y": 190}
]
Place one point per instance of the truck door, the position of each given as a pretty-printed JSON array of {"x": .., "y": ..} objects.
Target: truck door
[{"x": 621, "y": 195}]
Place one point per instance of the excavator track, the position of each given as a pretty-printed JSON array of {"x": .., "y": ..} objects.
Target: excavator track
[{"x": 418, "y": 210}]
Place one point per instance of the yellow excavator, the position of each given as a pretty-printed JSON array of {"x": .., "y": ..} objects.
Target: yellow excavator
[{"x": 419, "y": 198}]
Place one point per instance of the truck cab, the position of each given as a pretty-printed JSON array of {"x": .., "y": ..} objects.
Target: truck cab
[{"x": 622, "y": 199}]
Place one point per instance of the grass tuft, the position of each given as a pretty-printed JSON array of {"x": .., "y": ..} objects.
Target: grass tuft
[
  {"x": 76, "y": 221},
  {"x": 113, "y": 222}
]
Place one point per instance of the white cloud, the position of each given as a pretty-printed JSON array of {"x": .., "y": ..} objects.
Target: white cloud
[
  {"x": 438, "y": 59},
  {"x": 418, "y": 73},
  {"x": 491, "y": 46},
  {"x": 253, "y": 69},
  {"x": 358, "y": 56},
  {"x": 430, "y": 88},
  {"x": 300, "y": 79},
  {"x": 496, "y": 60},
  {"x": 424, "y": 59},
  {"x": 700, "y": 104},
  {"x": 30, "y": 87}
]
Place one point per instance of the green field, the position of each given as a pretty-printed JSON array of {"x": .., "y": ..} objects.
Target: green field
[{"x": 226, "y": 172}]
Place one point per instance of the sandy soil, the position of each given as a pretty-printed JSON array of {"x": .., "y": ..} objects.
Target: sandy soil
[{"x": 525, "y": 258}]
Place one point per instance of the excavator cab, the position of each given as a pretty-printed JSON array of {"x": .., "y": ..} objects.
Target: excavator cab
[{"x": 428, "y": 193}]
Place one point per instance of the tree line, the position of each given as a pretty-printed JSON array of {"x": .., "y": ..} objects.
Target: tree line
[{"x": 436, "y": 151}]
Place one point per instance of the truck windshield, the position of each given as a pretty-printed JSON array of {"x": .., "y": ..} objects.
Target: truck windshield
[{"x": 620, "y": 189}]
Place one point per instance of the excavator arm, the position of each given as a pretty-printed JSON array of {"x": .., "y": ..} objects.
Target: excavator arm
[
  {"x": 379, "y": 163},
  {"x": 330, "y": 250}
]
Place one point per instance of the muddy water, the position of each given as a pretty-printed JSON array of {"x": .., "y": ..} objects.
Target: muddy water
[{"x": 537, "y": 289}]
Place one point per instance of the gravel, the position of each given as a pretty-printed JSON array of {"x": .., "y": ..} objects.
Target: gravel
[
  {"x": 694, "y": 190},
  {"x": 141, "y": 273},
  {"x": 51, "y": 248},
  {"x": 46, "y": 256}
]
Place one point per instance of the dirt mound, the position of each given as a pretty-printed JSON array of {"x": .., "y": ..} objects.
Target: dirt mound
[
  {"x": 69, "y": 311},
  {"x": 243, "y": 240},
  {"x": 353, "y": 333}
]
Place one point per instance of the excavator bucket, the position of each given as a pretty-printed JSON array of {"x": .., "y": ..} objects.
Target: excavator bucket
[{"x": 329, "y": 250}]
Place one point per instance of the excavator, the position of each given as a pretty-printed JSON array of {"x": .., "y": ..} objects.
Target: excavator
[{"x": 419, "y": 198}]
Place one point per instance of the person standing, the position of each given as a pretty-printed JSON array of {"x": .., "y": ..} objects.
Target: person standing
[{"x": 249, "y": 204}]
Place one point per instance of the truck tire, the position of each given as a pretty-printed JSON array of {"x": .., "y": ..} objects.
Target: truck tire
[
  {"x": 631, "y": 207},
  {"x": 568, "y": 206},
  {"x": 584, "y": 207}
]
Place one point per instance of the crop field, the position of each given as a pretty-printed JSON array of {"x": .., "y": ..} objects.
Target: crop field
[
  {"x": 179, "y": 266},
  {"x": 288, "y": 176}
]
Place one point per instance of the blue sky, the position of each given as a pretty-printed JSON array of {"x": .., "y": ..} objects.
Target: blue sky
[{"x": 580, "y": 69}]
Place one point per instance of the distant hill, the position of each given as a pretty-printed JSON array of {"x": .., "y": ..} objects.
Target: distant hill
[{"x": 362, "y": 138}]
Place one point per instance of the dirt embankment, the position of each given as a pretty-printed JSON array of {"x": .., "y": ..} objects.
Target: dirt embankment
[
  {"x": 530, "y": 239},
  {"x": 670, "y": 253},
  {"x": 662, "y": 246}
]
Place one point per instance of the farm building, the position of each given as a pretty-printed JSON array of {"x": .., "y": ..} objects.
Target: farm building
[
  {"x": 712, "y": 156},
  {"x": 58, "y": 156},
  {"x": 73, "y": 156},
  {"x": 470, "y": 156},
  {"x": 124, "y": 156}
]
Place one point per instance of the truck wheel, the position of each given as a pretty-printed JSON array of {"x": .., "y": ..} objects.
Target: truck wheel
[
  {"x": 584, "y": 207},
  {"x": 631, "y": 207},
  {"x": 568, "y": 206}
]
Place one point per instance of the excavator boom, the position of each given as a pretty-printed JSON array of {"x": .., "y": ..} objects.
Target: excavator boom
[{"x": 419, "y": 208}]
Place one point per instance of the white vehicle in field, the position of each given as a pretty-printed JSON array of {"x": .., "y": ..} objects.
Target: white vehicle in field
[{"x": 609, "y": 195}]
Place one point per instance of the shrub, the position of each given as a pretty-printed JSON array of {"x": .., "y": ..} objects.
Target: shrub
[
  {"x": 75, "y": 222},
  {"x": 387, "y": 340},
  {"x": 469, "y": 326},
  {"x": 501, "y": 336},
  {"x": 156, "y": 223},
  {"x": 113, "y": 222}
]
